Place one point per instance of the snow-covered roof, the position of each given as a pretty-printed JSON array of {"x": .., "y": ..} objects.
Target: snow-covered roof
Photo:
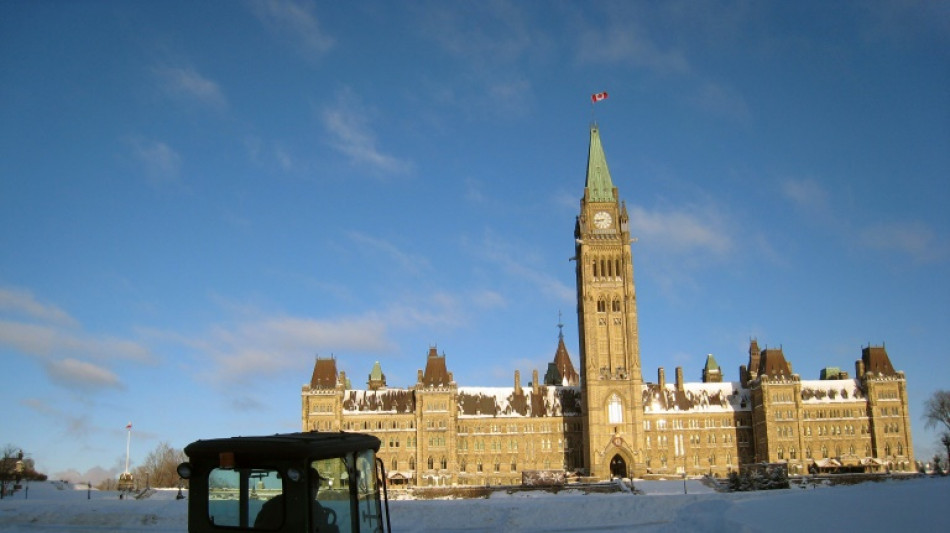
[
  {"x": 831, "y": 391},
  {"x": 379, "y": 401},
  {"x": 506, "y": 402},
  {"x": 703, "y": 397}
]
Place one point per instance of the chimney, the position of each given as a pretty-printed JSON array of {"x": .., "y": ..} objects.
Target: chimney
[
  {"x": 419, "y": 378},
  {"x": 859, "y": 368},
  {"x": 661, "y": 377},
  {"x": 679, "y": 378},
  {"x": 534, "y": 381},
  {"x": 518, "y": 382}
]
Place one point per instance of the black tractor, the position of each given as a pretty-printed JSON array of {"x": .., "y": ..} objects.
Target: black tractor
[{"x": 300, "y": 482}]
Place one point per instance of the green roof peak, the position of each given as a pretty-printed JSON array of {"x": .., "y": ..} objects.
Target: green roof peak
[
  {"x": 377, "y": 372},
  {"x": 599, "y": 185}
]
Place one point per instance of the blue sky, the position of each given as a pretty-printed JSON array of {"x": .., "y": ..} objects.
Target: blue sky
[{"x": 196, "y": 199}]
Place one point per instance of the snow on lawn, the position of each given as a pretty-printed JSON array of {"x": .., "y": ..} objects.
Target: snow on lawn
[{"x": 873, "y": 506}]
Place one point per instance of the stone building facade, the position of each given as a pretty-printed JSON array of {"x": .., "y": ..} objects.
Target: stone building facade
[{"x": 603, "y": 420}]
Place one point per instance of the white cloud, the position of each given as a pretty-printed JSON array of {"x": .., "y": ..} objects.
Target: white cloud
[
  {"x": 395, "y": 256},
  {"x": 807, "y": 194},
  {"x": 625, "y": 41},
  {"x": 721, "y": 100},
  {"x": 519, "y": 263},
  {"x": 296, "y": 22},
  {"x": 683, "y": 231},
  {"x": 272, "y": 345},
  {"x": 348, "y": 126},
  {"x": 60, "y": 344},
  {"x": 51, "y": 341},
  {"x": 75, "y": 374},
  {"x": 187, "y": 83},
  {"x": 160, "y": 162},
  {"x": 20, "y": 301},
  {"x": 914, "y": 239}
]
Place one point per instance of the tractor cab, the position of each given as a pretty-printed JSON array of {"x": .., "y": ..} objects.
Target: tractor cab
[{"x": 301, "y": 482}]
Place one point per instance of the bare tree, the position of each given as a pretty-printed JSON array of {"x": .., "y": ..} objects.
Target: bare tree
[
  {"x": 161, "y": 466},
  {"x": 937, "y": 415}
]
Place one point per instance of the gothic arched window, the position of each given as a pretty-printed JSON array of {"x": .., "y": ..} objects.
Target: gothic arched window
[{"x": 614, "y": 410}]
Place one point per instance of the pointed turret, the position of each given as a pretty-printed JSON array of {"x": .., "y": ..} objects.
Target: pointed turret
[
  {"x": 377, "y": 380},
  {"x": 436, "y": 373},
  {"x": 876, "y": 361},
  {"x": 600, "y": 188},
  {"x": 711, "y": 372},
  {"x": 324, "y": 374},
  {"x": 561, "y": 370}
]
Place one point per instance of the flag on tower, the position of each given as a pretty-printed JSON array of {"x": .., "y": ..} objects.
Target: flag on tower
[
  {"x": 128, "y": 426},
  {"x": 594, "y": 98}
]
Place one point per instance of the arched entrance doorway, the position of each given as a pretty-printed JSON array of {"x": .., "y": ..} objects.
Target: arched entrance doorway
[{"x": 618, "y": 467}]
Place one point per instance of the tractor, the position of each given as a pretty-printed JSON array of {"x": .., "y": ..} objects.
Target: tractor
[{"x": 312, "y": 482}]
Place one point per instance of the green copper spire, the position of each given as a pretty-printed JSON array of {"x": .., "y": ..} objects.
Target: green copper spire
[{"x": 599, "y": 184}]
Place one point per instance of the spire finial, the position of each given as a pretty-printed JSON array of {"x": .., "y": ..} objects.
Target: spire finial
[{"x": 560, "y": 326}]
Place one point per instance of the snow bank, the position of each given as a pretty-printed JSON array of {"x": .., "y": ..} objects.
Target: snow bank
[{"x": 890, "y": 505}]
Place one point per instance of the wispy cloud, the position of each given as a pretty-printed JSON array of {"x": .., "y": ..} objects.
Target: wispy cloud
[
  {"x": 72, "y": 373},
  {"x": 518, "y": 262},
  {"x": 721, "y": 100},
  {"x": 491, "y": 45},
  {"x": 347, "y": 124},
  {"x": 160, "y": 163},
  {"x": 683, "y": 231},
  {"x": 271, "y": 345},
  {"x": 914, "y": 239},
  {"x": 188, "y": 84},
  {"x": 295, "y": 22},
  {"x": 19, "y": 301},
  {"x": 624, "y": 40},
  {"x": 50, "y": 340},
  {"x": 71, "y": 357},
  {"x": 807, "y": 194},
  {"x": 392, "y": 254}
]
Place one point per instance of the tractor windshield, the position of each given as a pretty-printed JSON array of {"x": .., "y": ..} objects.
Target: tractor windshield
[{"x": 347, "y": 498}]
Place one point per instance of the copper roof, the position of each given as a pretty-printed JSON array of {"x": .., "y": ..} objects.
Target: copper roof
[
  {"x": 436, "y": 373},
  {"x": 876, "y": 360},
  {"x": 561, "y": 371},
  {"x": 324, "y": 374},
  {"x": 773, "y": 363}
]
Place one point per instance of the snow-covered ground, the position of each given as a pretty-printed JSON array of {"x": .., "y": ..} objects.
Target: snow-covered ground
[{"x": 907, "y": 505}]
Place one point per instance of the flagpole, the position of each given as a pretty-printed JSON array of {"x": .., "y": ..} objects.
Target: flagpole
[{"x": 128, "y": 442}]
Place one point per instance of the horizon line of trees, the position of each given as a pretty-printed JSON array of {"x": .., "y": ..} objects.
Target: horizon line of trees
[{"x": 159, "y": 470}]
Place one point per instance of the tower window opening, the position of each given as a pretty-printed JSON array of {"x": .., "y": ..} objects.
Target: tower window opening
[{"x": 615, "y": 410}]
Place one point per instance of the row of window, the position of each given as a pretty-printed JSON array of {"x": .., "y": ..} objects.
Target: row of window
[
  {"x": 833, "y": 413},
  {"x": 711, "y": 459},
  {"x": 520, "y": 429},
  {"x": 693, "y": 423},
  {"x": 606, "y": 268},
  {"x": 663, "y": 441},
  {"x": 615, "y": 306}
]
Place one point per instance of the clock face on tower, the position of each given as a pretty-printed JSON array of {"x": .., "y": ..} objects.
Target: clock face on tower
[{"x": 602, "y": 220}]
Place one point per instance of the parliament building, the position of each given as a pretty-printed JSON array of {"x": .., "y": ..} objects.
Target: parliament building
[{"x": 602, "y": 420}]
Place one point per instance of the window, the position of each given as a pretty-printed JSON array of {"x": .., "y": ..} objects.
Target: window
[
  {"x": 615, "y": 410},
  {"x": 228, "y": 506}
]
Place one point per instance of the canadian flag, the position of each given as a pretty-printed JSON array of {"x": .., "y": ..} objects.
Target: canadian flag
[
  {"x": 128, "y": 426},
  {"x": 598, "y": 97}
]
